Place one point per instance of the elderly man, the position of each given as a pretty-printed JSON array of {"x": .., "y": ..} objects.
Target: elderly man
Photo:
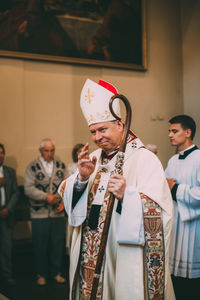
[
  {"x": 42, "y": 179},
  {"x": 9, "y": 195},
  {"x": 135, "y": 264}
]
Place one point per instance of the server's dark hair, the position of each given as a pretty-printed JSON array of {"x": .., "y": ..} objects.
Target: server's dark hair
[{"x": 186, "y": 122}]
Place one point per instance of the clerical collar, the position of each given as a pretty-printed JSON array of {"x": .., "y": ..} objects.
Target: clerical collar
[
  {"x": 111, "y": 154},
  {"x": 185, "y": 153}
]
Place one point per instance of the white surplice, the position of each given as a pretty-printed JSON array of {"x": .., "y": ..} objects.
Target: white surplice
[
  {"x": 124, "y": 265},
  {"x": 185, "y": 243}
]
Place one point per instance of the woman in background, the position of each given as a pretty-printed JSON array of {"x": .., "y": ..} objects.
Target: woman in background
[{"x": 71, "y": 168}]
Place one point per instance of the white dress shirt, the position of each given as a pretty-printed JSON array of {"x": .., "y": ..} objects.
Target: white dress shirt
[
  {"x": 48, "y": 166},
  {"x": 2, "y": 189}
]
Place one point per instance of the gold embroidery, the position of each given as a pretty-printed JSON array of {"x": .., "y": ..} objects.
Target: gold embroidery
[
  {"x": 89, "y": 96},
  {"x": 102, "y": 117}
]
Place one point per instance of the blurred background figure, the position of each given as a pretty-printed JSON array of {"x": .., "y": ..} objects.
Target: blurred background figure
[
  {"x": 42, "y": 179},
  {"x": 9, "y": 196},
  {"x": 153, "y": 148},
  {"x": 71, "y": 168}
]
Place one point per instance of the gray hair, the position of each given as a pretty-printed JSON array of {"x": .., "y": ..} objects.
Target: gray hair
[
  {"x": 44, "y": 141},
  {"x": 152, "y": 148}
]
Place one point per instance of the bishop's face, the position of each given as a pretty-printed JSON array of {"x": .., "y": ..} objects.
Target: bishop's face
[{"x": 107, "y": 135}]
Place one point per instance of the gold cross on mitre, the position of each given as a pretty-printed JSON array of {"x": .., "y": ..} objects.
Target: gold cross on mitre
[{"x": 89, "y": 96}]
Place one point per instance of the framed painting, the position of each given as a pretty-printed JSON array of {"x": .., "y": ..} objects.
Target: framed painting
[{"x": 106, "y": 33}]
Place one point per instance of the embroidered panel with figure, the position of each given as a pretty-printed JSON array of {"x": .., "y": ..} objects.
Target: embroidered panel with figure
[
  {"x": 91, "y": 239},
  {"x": 154, "y": 250}
]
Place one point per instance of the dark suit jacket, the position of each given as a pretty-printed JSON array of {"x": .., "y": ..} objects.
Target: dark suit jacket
[{"x": 11, "y": 193}]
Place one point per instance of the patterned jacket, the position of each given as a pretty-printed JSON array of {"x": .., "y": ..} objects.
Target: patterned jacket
[{"x": 37, "y": 184}]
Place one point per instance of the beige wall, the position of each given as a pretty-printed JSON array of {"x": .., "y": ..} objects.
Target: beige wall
[
  {"x": 190, "y": 19},
  {"x": 40, "y": 99}
]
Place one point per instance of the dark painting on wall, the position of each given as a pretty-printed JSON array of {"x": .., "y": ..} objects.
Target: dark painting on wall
[{"x": 107, "y": 33}]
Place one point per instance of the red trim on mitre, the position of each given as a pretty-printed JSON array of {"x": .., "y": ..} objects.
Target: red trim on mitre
[{"x": 108, "y": 86}]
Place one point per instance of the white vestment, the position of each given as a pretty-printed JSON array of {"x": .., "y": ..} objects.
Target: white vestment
[
  {"x": 124, "y": 263},
  {"x": 185, "y": 239}
]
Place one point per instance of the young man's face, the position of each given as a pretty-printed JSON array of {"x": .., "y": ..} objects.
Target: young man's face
[
  {"x": 2, "y": 155},
  {"x": 177, "y": 135},
  {"x": 107, "y": 135},
  {"x": 48, "y": 151}
]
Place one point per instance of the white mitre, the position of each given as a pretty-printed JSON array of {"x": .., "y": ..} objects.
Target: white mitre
[{"x": 95, "y": 99}]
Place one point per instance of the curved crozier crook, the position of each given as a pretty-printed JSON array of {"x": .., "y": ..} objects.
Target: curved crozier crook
[{"x": 127, "y": 120}]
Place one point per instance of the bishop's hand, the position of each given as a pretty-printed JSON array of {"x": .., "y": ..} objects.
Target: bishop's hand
[
  {"x": 86, "y": 165},
  {"x": 117, "y": 186}
]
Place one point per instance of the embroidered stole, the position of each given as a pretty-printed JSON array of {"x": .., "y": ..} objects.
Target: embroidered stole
[
  {"x": 90, "y": 245},
  {"x": 154, "y": 250}
]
